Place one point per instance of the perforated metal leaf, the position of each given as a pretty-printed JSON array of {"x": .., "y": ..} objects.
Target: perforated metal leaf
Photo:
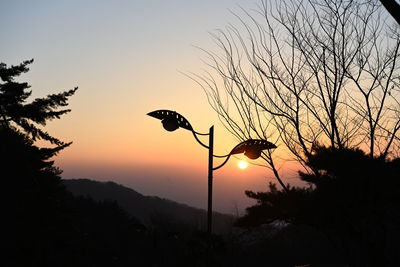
[
  {"x": 169, "y": 114},
  {"x": 252, "y": 144}
]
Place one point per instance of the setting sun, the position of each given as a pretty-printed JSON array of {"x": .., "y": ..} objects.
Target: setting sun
[{"x": 242, "y": 164}]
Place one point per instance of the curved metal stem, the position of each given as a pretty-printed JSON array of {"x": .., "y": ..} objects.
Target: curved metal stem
[
  {"x": 223, "y": 163},
  {"x": 198, "y": 140},
  {"x": 200, "y": 133},
  {"x": 224, "y": 156},
  {"x": 227, "y": 155}
]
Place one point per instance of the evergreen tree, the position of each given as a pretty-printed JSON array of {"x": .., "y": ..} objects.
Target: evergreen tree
[
  {"x": 17, "y": 114},
  {"x": 32, "y": 182},
  {"x": 25, "y": 167},
  {"x": 33, "y": 199},
  {"x": 352, "y": 199},
  {"x": 43, "y": 224}
]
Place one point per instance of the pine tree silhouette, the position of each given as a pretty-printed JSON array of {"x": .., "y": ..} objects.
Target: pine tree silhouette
[
  {"x": 33, "y": 197},
  {"x": 17, "y": 114},
  {"x": 352, "y": 199},
  {"x": 42, "y": 223}
]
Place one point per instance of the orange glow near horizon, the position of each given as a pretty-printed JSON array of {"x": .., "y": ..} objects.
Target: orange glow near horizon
[{"x": 126, "y": 66}]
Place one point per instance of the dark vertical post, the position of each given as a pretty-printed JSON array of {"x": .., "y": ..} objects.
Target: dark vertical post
[{"x": 210, "y": 179}]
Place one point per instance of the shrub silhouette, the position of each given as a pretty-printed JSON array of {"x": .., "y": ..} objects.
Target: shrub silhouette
[{"x": 352, "y": 199}]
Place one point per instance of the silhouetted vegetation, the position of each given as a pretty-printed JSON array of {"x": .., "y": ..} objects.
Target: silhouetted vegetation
[
  {"x": 352, "y": 202},
  {"x": 310, "y": 87},
  {"x": 299, "y": 72},
  {"x": 153, "y": 212},
  {"x": 44, "y": 225},
  {"x": 320, "y": 79}
]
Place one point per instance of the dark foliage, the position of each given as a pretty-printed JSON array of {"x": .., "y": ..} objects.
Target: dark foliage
[
  {"x": 43, "y": 224},
  {"x": 19, "y": 115},
  {"x": 353, "y": 200},
  {"x": 348, "y": 214},
  {"x": 153, "y": 212},
  {"x": 32, "y": 194},
  {"x": 276, "y": 205},
  {"x": 33, "y": 200}
]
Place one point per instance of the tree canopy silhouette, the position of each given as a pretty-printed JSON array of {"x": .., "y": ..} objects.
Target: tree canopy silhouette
[
  {"x": 43, "y": 224},
  {"x": 25, "y": 117},
  {"x": 321, "y": 79},
  {"x": 31, "y": 179},
  {"x": 353, "y": 199},
  {"x": 301, "y": 73},
  {"x": 27, "y": 168}
]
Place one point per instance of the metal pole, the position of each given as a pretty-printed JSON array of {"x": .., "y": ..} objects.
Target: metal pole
[{"x": 210, "y": 179}]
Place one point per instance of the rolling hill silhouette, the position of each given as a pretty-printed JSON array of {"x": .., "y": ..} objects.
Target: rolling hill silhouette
[{"x": 154, "y": 212}]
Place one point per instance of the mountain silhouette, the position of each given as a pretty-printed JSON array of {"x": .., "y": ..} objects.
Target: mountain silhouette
[{"x": 154, "y": 212}]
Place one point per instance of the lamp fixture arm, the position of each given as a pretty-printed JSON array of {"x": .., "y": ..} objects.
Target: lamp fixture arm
[
  {"x": 223, "y": 163},
  {"x": 227, "y": 156},
  {"x": 224, "y": 156},
  {"x": 198, "y": 140},
  {"x": 200, "y": 133}
]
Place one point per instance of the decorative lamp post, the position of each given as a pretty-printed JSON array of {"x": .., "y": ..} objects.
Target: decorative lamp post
[{"x": 251, "y": 148}]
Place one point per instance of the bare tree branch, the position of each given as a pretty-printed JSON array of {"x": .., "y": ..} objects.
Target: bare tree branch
[{"x": 307, "y": 72}]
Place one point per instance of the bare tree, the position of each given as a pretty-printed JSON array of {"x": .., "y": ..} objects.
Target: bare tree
[{"x": 304, "y": 72}]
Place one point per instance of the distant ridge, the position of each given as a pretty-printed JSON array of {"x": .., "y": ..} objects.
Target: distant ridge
[{"x": 154, "y": 212}]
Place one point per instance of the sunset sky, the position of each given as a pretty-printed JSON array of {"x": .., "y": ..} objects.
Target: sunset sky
[{"x": 127, "y": 58}]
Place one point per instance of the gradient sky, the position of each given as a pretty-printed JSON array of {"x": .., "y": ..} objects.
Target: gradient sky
[{"x": 126, "y": 57}]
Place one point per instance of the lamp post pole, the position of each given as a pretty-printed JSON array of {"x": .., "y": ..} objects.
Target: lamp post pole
[
  {"x": 210, "y": 179},
  {"x": 252, "y": 148}
]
